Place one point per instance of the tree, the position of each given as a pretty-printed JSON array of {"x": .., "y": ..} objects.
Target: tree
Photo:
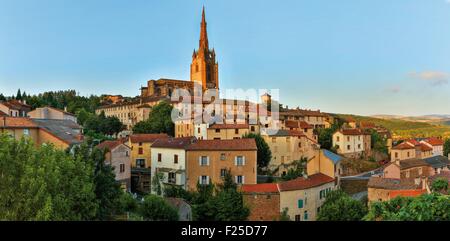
[
  {"x": 427, "y": 207},
  {"x": 44, "y": 183},
  {"x": 298, "y": 170},
  {"x": 264, "y": 155},
  {"x": 18, "y": 95},
  {"x": 203, "y": 208},
  {"x": 159, "y": 121},
  {"x": 284, "y": 216},
  {"x": 156, "y": 183},
  {"x": 447, "y": 147},
  {"x": 378, "y": 142},
  {"x": 338, "y": 206},
  {"x": 2, "y": 97},
  {"x": 155, "y": 208},
  {"x": 440, "y": 185},
  {"x": 325, "y": 135}
]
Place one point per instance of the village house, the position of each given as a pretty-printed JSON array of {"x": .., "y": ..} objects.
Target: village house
[
  {"x": 118, "y": 157},
  {"x": 302, "y": 126},
  {"x": 438, "y": 164},
  {"x": 349, "y": 142},
  {"x": 208, "y": 161},
  {"x": 288, "y": 146},
  {"x": 315, "y": 118},
  {"x": 52, "y": 113},
  {"x": 15, "y": 108},
  {"x": 168, "y": 157},
  {"x": 384, "y": 189},
  {"x": 62, "y": 134},
  {"x": 303, "y": 197},
  {"x": 228, "y": 131},
  {"x": 435, "y": 143},
  {"x": 263, "y": 200},
  {"x": 408, "y": 168},
  {"x": 326, "y": 162},
  {"x": 402, "y": 151}
]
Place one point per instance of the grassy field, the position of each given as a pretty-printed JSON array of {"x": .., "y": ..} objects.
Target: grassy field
[{"x": 402, "y": 129}]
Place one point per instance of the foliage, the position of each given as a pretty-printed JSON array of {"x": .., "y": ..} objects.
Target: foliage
[
  {"x": 447, "y": 147},
  {"x": 224, "y": 203},
  {"x": 155, "y": 208},
  {"x": 378, "y": 142},
  {"x": 157, "y": 183},
  {"x": 2, "y": 97},
  {"x": 177, "y": 192},
  {"x": 428, "y": 207},
  {"x": 325, "y": 135},
  {"x": 44, "y": 183},
  {"x": 338, "y": 206},
  {"x": 440, "y": 185},
  {"x": 298, "y": 170},
  {"x": 284, "y": 215},
  {"x": 127, "y": 203},
  {"x": 159, "y": 121},
  {"x": 264, "y": 155},
  {"x": 101, "y": 124}
]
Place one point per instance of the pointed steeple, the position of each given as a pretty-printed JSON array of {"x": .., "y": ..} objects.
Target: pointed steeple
[{"x": 203, "y": 34}]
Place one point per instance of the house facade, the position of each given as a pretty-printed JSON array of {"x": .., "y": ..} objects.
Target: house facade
[
  {"x": 118, "y": 157},
  {"x": 437, "y": 145},
  {"x": 51, "y": 113},
  {"x": 263, "y": 200},
  {"x": 349, "y": 142}
]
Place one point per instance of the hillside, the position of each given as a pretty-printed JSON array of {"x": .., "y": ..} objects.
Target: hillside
[{"x": 405, "y": 128}]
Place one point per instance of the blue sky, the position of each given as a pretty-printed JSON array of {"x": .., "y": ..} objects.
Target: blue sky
[{"x": 347, "y": 56}]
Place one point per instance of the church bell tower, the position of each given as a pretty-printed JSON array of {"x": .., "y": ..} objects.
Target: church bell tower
[{"x": 204, "y": 68}]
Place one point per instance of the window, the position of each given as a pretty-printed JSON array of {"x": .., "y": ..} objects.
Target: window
[
  {"x": 223, "y": 156},
  {"x": 204, "y": 161},
  {"x": 217, "y": 130},
  {"x": 204, "y": 180},
  {"x": 175, "y": 159},
  {"x": 396, "y": 155},
  {"x": 26, "y": 132},
  {"x": 348, "y": 147},
  {"x": 159, "y": 157},
  {"x": 407, "y": 154},
  {"x": 198, "y": 130},
  {"x": 298, "y": 218},
  {"x": 300, "y": 203},
  {"x": 122, "y": 168},
  {"x": 140, "y": 163},
  {"x": 172, "y": 178},
  {"x": 299, "y": 145},
  {"x": 240, "y": 179},
  {"x": 252, "y": 128},
  {"x": 236, "y": 131},
  {"x": 141, "y": 151},
  {"x": 305, "y": 215},
  {"x": 274, "y": 139},
  {"x": 359, "y": 146},
  {"x": 140, "y": 143},
  {"x": 338, "y": 138},
  {"x": 348, "y": 138},
  {"x": 222, "y": 172},
  {"x": 240, "y": 161},
  {"x": 127, "y": 153}
]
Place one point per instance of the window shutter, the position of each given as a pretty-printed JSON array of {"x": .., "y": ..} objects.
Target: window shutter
[
  {"x": 200, "y": 160},
  {"x": 243, "y": 179},
  {"x": 235, "y": 179},
  {"x": 235, "y": 160},
  {"x": 243, "y": 160},
  {"x": 207, "y": 162},
  {"x": 207, "y": 180},
  {"x": 200, "y": 179}
]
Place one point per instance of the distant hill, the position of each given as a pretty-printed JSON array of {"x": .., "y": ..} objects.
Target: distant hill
[{"x": 406, "y": 127}]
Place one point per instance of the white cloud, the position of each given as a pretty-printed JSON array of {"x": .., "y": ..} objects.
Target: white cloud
[{"x": 435, "y": 78}]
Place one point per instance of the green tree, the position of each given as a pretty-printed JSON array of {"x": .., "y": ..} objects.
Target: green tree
[
  {"x": 284, "y": 216},
  {"x": 338, "y": 206},
  {"x": 264, "y": 155},
  {"x": 157, "y": 183},
  {"x": 18, "y": 95},
  {"x": 44, "y": 183},
  {"x": 155, "y": 208},
  {"x": 159, "y": 121},
  {"x": 447, "y": 147},
  {"x": 427, "y": 207},
  {"x": 298, "y": 169},
  {"x": 440, "y": 185},
  {"x": 203, "y": 208}
]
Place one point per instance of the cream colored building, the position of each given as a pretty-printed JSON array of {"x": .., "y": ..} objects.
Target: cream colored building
[
  {"x": 403, "y": 151},
  {"x": 303, "y": 197},
  {"x": 326, "y": 162},
  {"x": 349, "y": 142},
  {"x": 288, "y": 146},
  {"x": 51, "y": 113}
]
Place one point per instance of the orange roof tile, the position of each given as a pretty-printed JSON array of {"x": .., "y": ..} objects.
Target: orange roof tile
[
  {"x": 403, "y": 146},
  {"x": 147, "y": 137},
  {"x": 434, "y": 141},
  {"x": 260, "y": 188},
  {"x": 109, "y": 145},
  {"x": 406, "y": 193},
  {"x": 305, "y": 183}
]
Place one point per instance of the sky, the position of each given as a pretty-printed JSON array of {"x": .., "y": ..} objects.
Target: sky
[{"x": 349, "y": 56}]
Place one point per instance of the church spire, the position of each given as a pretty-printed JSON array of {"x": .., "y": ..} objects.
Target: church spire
[{"x": 203, "y": 34}]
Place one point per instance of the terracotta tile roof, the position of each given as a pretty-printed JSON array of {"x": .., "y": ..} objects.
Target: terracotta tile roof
[
  {"x": 424, "y": 147},
  {"x": 235, "y": 144},
  {"x": 407, "y": 193},
  {"x": 392, "y": 183},
  {"x": 414, "y": 142},
  {"x": 17, "y": 122},
  {"x": 435, "y": 141},
  {"x": 291, "y": 124},
  {"x": 174, "y": 143},
  {"x": 305, "y": 125},
  {"x": 16, "y": 105},
  {"x": 109, "y": 144},
  {"x": 3, "y": 114},
  {"x": 305, "y": 183},
  {"x": 403, "y": 146},
  {"x": 229, "y": 126},
  {"x": 366, "y": 124},
  {"x": 260, "y": 188},
  {"x": 136, "y": 138},
  {"x": 351, "y": 132},
  {"x": 414, "y": 162}
]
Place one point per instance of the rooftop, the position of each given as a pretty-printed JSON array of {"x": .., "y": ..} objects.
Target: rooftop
[
  {"x": 235, "y": 145},
  {"x": 174, "y": 143},
  {"x": 136, "y": 138},
  {"x": 392, "y": 183},
  {"x": 302, "y": 183},
  {"x": 434, "y": 141},
  {"x": 109, "y": 145},
  {"x": 403, "y": 146},
  {"x": 413, "y": 162},
  {"x": 437, "y": 161},
  {"x": 332, "y": 156},
  {"x": 260, "y": 188}
]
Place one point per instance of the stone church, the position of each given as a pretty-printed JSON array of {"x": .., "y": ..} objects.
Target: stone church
[{"x": 204, "y": 71}]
